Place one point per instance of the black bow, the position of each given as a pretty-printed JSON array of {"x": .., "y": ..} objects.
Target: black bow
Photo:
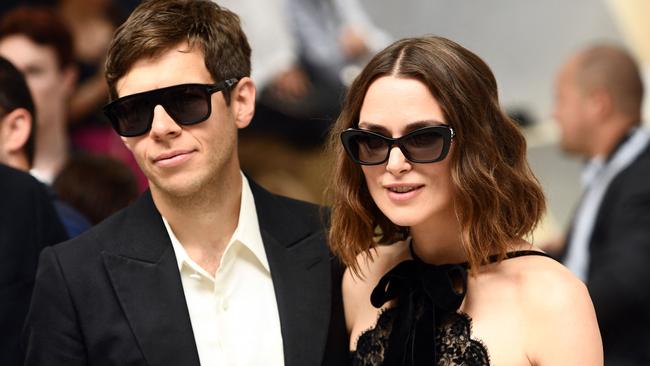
[{"x": 412, "y": 339}]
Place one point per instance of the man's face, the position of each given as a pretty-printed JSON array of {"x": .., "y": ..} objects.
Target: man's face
[
  {"x": 572, "y": 112},
  {"x": 180, "y": 161},
  {"x": 48, "y": 83}
]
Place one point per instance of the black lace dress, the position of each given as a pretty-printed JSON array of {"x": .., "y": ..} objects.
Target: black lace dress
[{"x": 425, "y": 327}]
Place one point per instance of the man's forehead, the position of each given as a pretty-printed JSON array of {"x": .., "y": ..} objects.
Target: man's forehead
[{"x": 180, "y": 64}]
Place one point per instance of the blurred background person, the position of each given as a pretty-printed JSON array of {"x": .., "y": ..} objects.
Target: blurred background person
[
  {"x": 39, "y": 44},
  {"x": 28, "y": 221},
  {"x": 598, "y": 110},
  {"x": 91, "y": 23},
  {"x": 61, "y": 51},
  {"x": 17, "y": 139},
  {"x": 303, "y": 54},
  {"x": 335, "y": 38},
  {"x": 96, "y": 185}
]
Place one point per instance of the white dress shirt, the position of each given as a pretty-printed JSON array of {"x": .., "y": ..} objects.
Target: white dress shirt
[
  {"x": 234, "y": 313},
  {"x": 596, "y": 177}
]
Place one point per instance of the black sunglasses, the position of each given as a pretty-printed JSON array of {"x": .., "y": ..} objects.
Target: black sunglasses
[
  {"x": 424, "y": 145},
  {"x": 187, "y": 104}
]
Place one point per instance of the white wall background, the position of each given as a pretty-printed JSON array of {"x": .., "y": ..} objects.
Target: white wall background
[{"x": 524, "y": 41}]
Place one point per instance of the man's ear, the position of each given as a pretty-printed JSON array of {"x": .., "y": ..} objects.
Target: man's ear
[
  {"x": 15, "y": 129},
  {"x": 601, "y": 104},
  {"x": 243, "y": 102}
]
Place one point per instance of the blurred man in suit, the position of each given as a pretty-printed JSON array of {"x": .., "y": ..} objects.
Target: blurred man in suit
[{"x": 598, "y": 110}]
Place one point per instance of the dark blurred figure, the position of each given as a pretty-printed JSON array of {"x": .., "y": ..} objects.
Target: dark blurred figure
[
  {"x": 598, "y": 110},
  {"x": 39, "y": 44},
  {"x": 17, "y": 141},
  {"x": 7, "y": 5},
  {"x": 96, "y": 185},
  {"x": 28, "y": 223}
]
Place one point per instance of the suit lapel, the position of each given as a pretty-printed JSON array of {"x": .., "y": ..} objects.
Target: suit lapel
[
  {"x": 301, "y": 272},
  {"x": 145, "y": 277}
]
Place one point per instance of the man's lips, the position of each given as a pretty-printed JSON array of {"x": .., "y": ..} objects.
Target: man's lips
[{"x": 172, "y": 158}]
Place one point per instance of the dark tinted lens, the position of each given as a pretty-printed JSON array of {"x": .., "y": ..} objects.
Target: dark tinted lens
[
  {"x": 130, "y": 117},
  {"x": 187, "y": 104},
  {"x": 424, "y": 146},
  {"x": 370, "y": 148}
]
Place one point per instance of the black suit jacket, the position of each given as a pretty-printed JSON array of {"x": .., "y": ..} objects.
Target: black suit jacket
[
  {"x": 113, "y": 296},
  {"x": 618, "y": 277},
  {"x": 28, "y": 223}
]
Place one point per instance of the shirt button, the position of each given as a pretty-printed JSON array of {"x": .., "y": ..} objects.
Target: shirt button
[{"x": 224, "y": 305}]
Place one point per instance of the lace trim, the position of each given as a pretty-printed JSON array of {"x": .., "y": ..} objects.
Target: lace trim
[{"x": 454, "y": 343}]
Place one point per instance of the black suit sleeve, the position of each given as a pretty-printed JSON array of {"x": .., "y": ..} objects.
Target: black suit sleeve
[
  {"x": 52, "y": 335},
  {"x": 619, "y": 266}
]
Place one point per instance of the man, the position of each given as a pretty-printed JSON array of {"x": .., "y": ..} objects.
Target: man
[
  {"x": 206, "y": 267},
  {"x": 37, "y": 42},
  {"x": 17, "y": 138},
  {"x": 28, "y": 221},
  {"x": 598, "y": 110}
]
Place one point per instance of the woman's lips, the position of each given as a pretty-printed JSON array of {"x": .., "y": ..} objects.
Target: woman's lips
[{"x": 403, "y": 192}]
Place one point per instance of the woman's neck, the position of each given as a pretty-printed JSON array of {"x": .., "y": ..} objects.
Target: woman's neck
[{"x": 439, "y": 241}]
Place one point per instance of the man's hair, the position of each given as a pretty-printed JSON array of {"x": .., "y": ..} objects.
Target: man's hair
[
  {"x": 497, "y": 199},
  {"x": 613, "y": 69},
  {"x": 156, "y": 26},
  {"x": 42, "y": 26},
  {"x": 15, "y": 94}
]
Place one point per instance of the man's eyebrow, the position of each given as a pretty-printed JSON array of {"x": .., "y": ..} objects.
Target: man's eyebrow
[{"x": 408, "y": 128}]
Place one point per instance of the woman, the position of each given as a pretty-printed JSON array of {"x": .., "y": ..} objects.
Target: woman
[{"x": 427, "y": 162}]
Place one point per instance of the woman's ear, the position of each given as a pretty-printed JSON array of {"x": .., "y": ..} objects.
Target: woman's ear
[{"x": 243, "y": 102}]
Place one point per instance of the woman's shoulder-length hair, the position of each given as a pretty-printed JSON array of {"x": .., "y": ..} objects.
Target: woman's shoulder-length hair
[{"x": 497, "y": 199}]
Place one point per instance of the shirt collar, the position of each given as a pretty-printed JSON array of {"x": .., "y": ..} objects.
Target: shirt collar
[
  {"x": 247, "y": 232},
  {"x": 248, "y": 227},
  {"x": 592, "y": 170},
  {"x": 597, "y": 165}
]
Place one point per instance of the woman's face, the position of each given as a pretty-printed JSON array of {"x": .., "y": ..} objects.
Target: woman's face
[{"x": 409, "y": 194}]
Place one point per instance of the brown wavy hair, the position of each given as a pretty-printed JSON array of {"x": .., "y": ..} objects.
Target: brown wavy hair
[
  {"x": 157, "y": 25},
  {"x": 497, "y": 197}
]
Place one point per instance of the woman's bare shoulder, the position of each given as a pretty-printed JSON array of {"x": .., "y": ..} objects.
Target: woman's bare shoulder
[
  {"x": 543, "y": 281},
  {"x": 557, "y": 313}
]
